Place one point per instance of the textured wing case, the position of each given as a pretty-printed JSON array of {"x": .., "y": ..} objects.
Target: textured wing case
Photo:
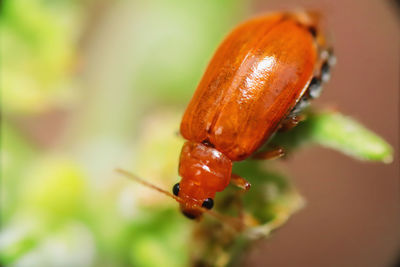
[{"x": 254, "y": 79}]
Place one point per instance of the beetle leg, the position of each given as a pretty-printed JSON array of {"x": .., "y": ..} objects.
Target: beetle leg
[
  {"x": 291, "y": 121},
  {"x": 270, "y": 154},
  {"x": 240, "y": 182}
]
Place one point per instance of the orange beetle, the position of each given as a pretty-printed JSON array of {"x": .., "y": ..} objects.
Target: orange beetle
[{"x": 259, "y": 79}]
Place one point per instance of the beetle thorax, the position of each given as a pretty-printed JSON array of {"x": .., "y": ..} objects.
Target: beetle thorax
[{"x": 204, "y": 171}]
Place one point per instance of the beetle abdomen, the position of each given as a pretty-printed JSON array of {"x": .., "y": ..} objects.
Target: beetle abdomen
[{"x": 254, "y": 79}]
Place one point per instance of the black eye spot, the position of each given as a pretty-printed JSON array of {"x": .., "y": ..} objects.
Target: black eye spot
[
  {"x": 175, "y": 189},
  {"x": 208, "y": 203}
]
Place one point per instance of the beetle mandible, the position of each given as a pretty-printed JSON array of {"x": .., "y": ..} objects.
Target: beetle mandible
[{"x": 259, "y": 79}]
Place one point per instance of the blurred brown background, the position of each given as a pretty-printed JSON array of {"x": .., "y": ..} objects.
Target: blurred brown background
[{"x": 352, "y": 217}]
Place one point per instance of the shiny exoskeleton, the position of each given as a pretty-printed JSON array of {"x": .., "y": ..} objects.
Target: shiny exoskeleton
[{"x": 261, "y": 76}]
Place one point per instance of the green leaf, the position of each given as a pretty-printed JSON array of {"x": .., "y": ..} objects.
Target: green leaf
[{"x": 339, "y": 132}]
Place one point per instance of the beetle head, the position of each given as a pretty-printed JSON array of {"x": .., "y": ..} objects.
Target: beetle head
[
  {"x": 193, "y": 197},
  {"x": 204, "y": 171}
]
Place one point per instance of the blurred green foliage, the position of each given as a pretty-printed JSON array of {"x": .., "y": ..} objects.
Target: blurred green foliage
[
  {"x": 38, "y": 53},
  {"x": 121, "y": 73}
]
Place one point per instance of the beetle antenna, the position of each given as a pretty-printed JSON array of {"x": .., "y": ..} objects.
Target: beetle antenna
[
  {"x": 147, "y": 184},
  {"x": 234, "y": 223}
]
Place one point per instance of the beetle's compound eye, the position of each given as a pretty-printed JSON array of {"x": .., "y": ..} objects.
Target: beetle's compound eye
[
  {"x": 208, "y": 203},
  {"x": 175, "y": 189}
]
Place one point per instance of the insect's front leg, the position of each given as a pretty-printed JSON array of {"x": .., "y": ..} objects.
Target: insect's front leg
[
  {"x": 291, "y": 121},
  {"x": 240, "y": 182},
  {"x": 274, "y": 153}
]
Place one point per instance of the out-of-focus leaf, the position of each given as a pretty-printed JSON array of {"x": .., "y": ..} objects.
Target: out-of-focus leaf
[
  {"x": 339, "y": 132},
  {"x": 17, "y": 155},
  {"x": 38, "y": 54},
  {"x": 158, "y": 240},
  {"x": 178, "y": 55},
  {"x": 70, "y": 245},
  {"x": 10, "y": 253},
  {"x": 55, "y": 188}
]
